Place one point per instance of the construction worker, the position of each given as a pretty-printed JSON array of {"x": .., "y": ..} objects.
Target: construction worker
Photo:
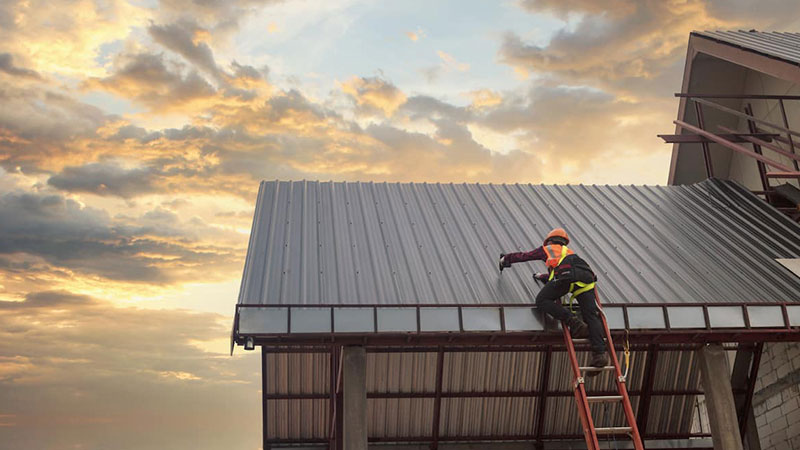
[{"x": 567, "y": 274}]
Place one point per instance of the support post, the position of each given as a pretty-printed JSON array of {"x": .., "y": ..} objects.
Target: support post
[
  {"x": 721, "y": 407},
  {"x": 354, "y": 393},
  {"x": 264, "y": 425},
  {"x": 437, "y": 401},
  {"x": 762, "y": 168},
  {"x": 706, "y": 150}
]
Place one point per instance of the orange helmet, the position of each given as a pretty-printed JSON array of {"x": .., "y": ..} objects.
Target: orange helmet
[{"x": 556, "y": 233}]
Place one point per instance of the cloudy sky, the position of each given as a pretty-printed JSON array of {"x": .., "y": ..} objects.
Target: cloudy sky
[{"x": 133, "y": 135}]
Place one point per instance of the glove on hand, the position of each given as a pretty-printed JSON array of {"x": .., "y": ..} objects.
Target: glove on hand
[
  {"x": 503, "y": 263},
  {"x": 541, "y": 277}
]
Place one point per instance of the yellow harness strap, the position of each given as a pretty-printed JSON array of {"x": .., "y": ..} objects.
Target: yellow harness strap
[{"x": 582, "y": 287}]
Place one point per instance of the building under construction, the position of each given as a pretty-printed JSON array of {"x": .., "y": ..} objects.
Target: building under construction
[{"x": 383, "y": 321}]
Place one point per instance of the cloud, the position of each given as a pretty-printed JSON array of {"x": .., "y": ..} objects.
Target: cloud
[
  {"x": 105, "y": 179},
  {"x": 187, "y": 39},
  {"x": 625, "y": 46},
  {"x": 151, "y": 80},
  {"x": 450, "y": 62},
  {"x": 374, "y": 94},
  {"x": 415, "y": 35},
  {"x": 116, "y": 372},
  {"x": 7, "y": 66},
  {"x": 63, "y": 234},
  {"x": 485, "y": 98},
  {"x": 49, "y": 299},
  {"x": 65, "y": 40},
  {"x": 39, "y": 127}
]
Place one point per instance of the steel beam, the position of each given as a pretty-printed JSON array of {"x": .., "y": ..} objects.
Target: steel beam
[
  {"x": 728, "y": 144},
  {"x": 697, "y": 139}
]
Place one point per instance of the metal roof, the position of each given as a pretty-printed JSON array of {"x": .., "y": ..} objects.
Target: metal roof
[
  {"x": 401, "y": 387},
  {"x": 409, "y": 243},
  {"x": 781, "y": 45}
]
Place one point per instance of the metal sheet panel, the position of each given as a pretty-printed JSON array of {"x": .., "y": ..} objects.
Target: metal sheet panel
[
  {"x": 395, "y": 244},
  {"x": 779, "y": 45},
  {"x": 496, "y": 416}
]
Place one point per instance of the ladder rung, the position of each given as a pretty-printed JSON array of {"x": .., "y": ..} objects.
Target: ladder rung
[
  {"x": 604, "y": 398},
  {"x": 613, "y": 430},
  {"x": 580, "y": 341},
  {"x": 595, "y": 369}
]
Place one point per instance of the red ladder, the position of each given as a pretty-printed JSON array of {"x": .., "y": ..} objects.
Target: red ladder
[{"x": 590, "y": 432}]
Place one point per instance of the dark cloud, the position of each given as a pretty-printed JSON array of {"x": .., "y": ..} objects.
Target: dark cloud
[
  {"x": 67, "y": 235},
  {"x": 248, "y": 72},
  {"x": 184, "y": 38},
  {"x": 222, "y": 16},
  {"x": 153, "y": 81},
  {"x": 423, "y": 106},
  {"x": 7, "y": 66},
  {"x": 624, "y": 46},
  {"x": 105, "y": 179},
  {"x": 767, "y": 14},
  {"x": 79, "y": 372},
  {"x": 49, "y": 299}
]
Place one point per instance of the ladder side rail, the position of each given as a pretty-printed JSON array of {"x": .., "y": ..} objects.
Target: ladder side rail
[
  {"x": 580, "y": 394},
  {"x": 620, "y": 381}
]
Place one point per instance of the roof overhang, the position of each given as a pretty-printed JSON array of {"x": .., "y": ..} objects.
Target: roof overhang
[
  {"x": 411, "y": 326},
  {"x": 739, "y": 55}
]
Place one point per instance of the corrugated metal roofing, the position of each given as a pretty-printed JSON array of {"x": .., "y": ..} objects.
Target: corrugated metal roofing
[
  {"x": 780, "y": 45},
  {"x": 378, "y": 243},
  {"x": 470, "y": 372}
]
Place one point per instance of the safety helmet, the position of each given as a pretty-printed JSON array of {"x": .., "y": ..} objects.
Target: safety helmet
[{"x": 557, "y": 233}]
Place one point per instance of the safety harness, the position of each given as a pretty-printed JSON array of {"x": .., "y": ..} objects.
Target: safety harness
[{"x": 576, "y": 288}]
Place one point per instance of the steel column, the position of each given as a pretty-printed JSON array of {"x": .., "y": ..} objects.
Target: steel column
[
  {"x": 264, "y": 425},
  {"x": 437, "y": 401},
  {"x": 788, "y": 135},
  {"x": 762, "y": 169},
  {"x": 747, "y": 424},
  {"x": 706, "y": 150},
  {"x": 544, "y": 373},
  {"x": 647, "y": 386}
]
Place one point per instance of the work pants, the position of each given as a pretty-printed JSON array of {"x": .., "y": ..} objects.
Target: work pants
[{"x": 549, "y": 301}]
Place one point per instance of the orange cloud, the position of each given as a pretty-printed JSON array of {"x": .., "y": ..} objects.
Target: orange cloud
[
  {"x": 374, "y": 94},
  {"x": 451, "y": 62}
]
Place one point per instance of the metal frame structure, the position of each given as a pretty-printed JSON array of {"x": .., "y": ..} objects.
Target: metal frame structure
[
  {"x": 709, "y": 331},
  {"x": 757, "y": 137},
  {"x": 547, "y": 342}
]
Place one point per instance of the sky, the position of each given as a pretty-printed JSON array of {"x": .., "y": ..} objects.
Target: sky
[{"x": 133, "y": 136}]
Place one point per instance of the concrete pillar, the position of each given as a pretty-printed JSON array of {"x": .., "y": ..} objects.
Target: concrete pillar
[
  {"x": 721, "y": 407},
  {"x": 354, "y": 398}
]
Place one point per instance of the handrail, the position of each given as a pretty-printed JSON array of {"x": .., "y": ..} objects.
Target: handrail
[
  {"x": 740, "y": 96},
  {"x": 745, "y": 116},
  {"x": 732, "y": 146}
]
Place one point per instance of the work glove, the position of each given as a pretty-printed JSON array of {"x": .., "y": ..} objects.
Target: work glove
[
  {"x": 541, "y": 277},
  {"x": 503, "y": 263}
]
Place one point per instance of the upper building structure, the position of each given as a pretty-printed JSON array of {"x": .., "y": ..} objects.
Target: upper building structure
[
  {"x": 741, "y": 93},
  {"x": 383, "y": 320},
  {"x": 742, "y": 87}
]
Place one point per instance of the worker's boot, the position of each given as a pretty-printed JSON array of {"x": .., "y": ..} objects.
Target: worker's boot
[
  {"x": 577, "y": 328},
  {"x": 599, "y": 359}
]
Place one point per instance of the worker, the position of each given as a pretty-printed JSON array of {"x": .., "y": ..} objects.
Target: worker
[{"x": 567, "y": 274}]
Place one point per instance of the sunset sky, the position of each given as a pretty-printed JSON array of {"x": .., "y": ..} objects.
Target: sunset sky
[{"x": 133, "y": 136}]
